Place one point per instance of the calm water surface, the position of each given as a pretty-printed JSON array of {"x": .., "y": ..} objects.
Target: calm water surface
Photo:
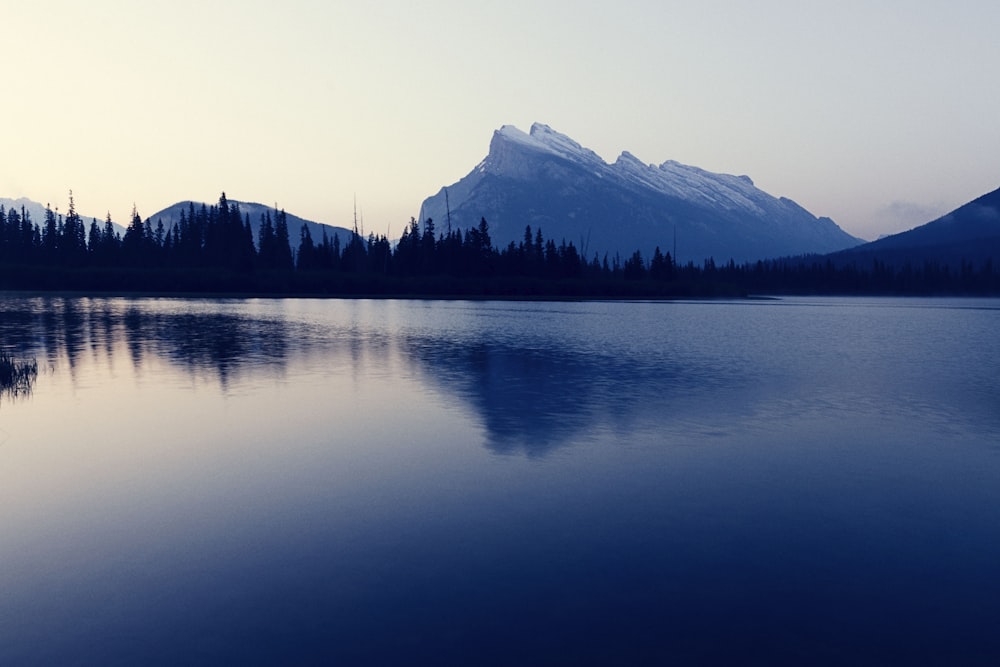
[{"x": 392, "y": 482}]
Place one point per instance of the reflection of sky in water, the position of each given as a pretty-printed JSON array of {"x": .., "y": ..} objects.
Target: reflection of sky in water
[{"x": 225, "y": 481}]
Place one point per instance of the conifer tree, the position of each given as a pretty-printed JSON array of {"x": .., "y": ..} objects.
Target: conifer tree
[
  {"x": 50, "y": 234},
  {"x": 307, "y": 250},
  {"x": 267, "y": 253},
  {"x": 93, "y": 238},
  {"x": 72, "y": 238},
  {"x": 134, "y": 241},
  {"x": 283, "y": 244}
]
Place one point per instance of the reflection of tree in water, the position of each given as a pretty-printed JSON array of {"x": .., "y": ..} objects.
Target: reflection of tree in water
[
  {"x": 223, "y": 344},
  {"x": 18, "y": 330},
  {"x": 54, "y": 327},
  {"x": 537, "y": 399}
]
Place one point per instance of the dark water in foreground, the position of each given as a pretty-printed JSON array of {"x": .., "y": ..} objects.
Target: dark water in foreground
[{"x": 391, "y": 482}]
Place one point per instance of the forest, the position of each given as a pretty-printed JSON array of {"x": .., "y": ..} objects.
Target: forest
[{"x": 212, "y": 249}]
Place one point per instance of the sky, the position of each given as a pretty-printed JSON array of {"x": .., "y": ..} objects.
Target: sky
[{"x": 880, "y": 114}]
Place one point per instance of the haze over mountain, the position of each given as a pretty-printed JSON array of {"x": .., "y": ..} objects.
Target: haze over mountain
[
  {"x": 171, "y": 215},
  {"x": 970, "y": 232},
  {"x": 548, "y": 181}
]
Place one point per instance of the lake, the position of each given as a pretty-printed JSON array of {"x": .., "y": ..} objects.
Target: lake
[{"x": 224, "y": 481}]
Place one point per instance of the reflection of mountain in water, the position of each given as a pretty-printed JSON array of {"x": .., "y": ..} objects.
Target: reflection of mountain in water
[
  {"x": 531, "y": 395},
  {"x": 538, "y": 399}
]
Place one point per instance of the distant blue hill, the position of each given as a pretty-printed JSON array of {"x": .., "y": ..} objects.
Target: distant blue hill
[{"x": 970, "y": 232}]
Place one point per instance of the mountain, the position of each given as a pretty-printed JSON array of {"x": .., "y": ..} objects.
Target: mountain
[
  {"x": 970, "y": 232},
  {"x": 171, "y": 215},
  {"x": 548, "y": 181},
  {"x": 37, "y": 212}
]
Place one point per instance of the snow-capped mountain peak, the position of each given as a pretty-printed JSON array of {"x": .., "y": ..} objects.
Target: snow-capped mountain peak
[
  {"x": 544, "y": 139},
  {"x": 671, "y": 178},
  {"x": 512, "y": 133},
  {"x": 547, "y": 180}
]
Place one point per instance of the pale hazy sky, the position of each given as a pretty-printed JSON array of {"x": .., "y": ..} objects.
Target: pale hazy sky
[{"x": 880, "y": 115}]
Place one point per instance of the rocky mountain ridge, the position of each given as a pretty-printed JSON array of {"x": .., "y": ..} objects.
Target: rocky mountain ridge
[{"x": 547, "y": 180}]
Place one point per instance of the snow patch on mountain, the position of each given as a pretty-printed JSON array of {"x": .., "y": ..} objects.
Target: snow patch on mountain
[
  {"x": 565, "y": 147},
  {"x": 671, "y": 178}
]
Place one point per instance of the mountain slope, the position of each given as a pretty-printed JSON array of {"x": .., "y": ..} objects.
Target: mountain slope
[
  {"x": 970, "y": 232},
  {"x": 547, "y": 180},
  {"x": 171, "y": 215}
]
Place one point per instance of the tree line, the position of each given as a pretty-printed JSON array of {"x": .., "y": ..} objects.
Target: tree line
[{"x": 212, "y": 248}]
